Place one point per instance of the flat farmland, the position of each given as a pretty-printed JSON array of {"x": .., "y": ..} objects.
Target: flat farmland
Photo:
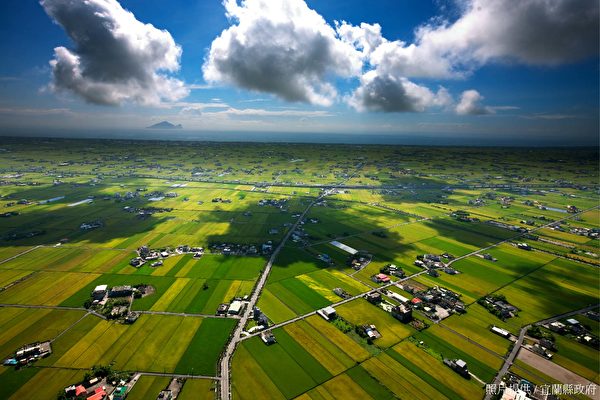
[
  {"x": 442, "y": 378},
  {"x": 394, "y": 202},
  {"x": 290, "y": 367},
  {"x": 197, "y": 389},
  {"x": 21, "y": 326},
  {"x": 47, "y": 288},
  {"x": 148, "y": 387},
  {"x": 361, "y": 312},
  {"x": 537, "y": 294},
  {"x": 170, "y": 344},
  {"x": 69, "y": 259},
  {"x": 475, "y": 325},
  {"x": 577, "y": 357},
  {"x": 9, "y": 276},
  {"x": 47, "y": 381},
  {"x": 447, "y": 344}
]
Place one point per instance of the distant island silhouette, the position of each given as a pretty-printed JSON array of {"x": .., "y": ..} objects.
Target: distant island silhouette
[{"x": 165, "y": 125}]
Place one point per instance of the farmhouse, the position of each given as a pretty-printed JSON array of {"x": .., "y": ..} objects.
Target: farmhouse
[
  {"x": 392, "y": 269},
  {"x": 380, "y": 278},
  {"x": 374, "y": 298},
  {"x": 402, "y": 313},
  {"x": 370, "y": 331},
  {"x": 328, "y": 313},
  {"x": 29, "y": 353},
  {"x": 556, "y": 326},
  {"x": 397, "y": 297},
  {"x": 235, "y": 307},
  {"x": 98, "y": 394},
  {"x": 99, "y": 292},
  {"x": 459, "y": 366},
  {"x": 165, "y": 395},
  {"x": 341, "y": 292},
  {"x": 268, "y": 337},
  {"x": 222, "y": 309},
  {"x": 120, "y": 291},
  {"x": 501, "y": 332}
]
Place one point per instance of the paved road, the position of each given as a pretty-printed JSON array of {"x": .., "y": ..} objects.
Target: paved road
[
  {"x": 225, "y": 389},
  {"x": 103, "y": 317},
  {"x": 520, "y": 235},
  {"x": 510, "y": 359},
  {"x": 188, "y": 314},
  {"x": 181, "y": 376},
  {"x": 339, "y": 303}
]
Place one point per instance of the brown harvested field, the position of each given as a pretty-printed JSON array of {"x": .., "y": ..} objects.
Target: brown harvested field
[{"x": 551, "y": 369}]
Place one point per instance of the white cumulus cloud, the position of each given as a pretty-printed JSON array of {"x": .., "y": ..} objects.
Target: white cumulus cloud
[
  {"x": 470, "y": 104},
  {"x": 283, "y": 48},
  {"x": 388, "y": 93},
  {"x": 115, "y": 57}
]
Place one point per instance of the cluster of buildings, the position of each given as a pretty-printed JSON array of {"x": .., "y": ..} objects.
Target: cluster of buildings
[
  {"x": 401, "y": 311},
  {"x": 514, "y": 228},
  {"x": 478, "y": 202},
  {"x": 86, "y": 226},
  {"x": 234, "y": 249},
  {"x": 497, "y": 305},
  {"x": 463, "y": 216},
  {"x": 369, "y": 331},
  {"x": 277, "y": 203},
  {"x": 576, "y": 329},
  {"x": 593, "y": 233},
  {"x": 432, "y": 263},
  {"x": 97, "y": 388},
  {"x": 359, "y": 260},
  {"x": 146, "y": 212},
  {"x": 300, "y": 235},
  {"x": 145, "y": 254},
  {"x": 115, "y": 303},
  {"x": 234, "y": 308},
  {"x": 220, "y": 200},
  {"x": 29, "y": 354},
  {"x": 438, "y": 303},
  {"x": 80, "y": 392}
]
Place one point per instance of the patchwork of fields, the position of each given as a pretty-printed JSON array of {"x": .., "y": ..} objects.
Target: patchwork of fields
[{"x": 388, "y": 204}]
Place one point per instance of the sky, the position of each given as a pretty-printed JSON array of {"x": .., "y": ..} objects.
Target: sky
[{"x": 510, "y": 71}]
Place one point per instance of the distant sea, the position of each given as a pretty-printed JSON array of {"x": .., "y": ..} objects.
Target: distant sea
[{"x": 305, "y": 137}]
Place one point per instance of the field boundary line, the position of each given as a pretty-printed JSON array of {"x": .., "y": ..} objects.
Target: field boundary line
[{"x": 20, "y": 254}]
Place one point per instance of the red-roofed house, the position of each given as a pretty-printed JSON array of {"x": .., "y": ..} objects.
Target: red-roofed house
[
  {"x": 79, "y": 390},
  {"x": 99, "y": 394},
  {"x": 416, "y": 300},
  {"x": 380, "y": 278}
]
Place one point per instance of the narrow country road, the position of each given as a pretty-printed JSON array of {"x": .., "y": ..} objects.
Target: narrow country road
[
  {"x": 225, "y": 388},
  {"x": 521, "y": 235},
  {"x": 513, "y": 354},
  {"x": 339, "y": 303}
]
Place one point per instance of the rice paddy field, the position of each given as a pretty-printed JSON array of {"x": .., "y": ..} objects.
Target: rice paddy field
[{"x": 391, "y": 203}]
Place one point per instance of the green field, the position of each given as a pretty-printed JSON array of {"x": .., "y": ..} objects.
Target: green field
[{"x": 395, "y": 203}]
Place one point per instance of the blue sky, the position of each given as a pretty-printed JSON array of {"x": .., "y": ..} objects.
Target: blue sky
[{"x": 431, "y": 68}]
